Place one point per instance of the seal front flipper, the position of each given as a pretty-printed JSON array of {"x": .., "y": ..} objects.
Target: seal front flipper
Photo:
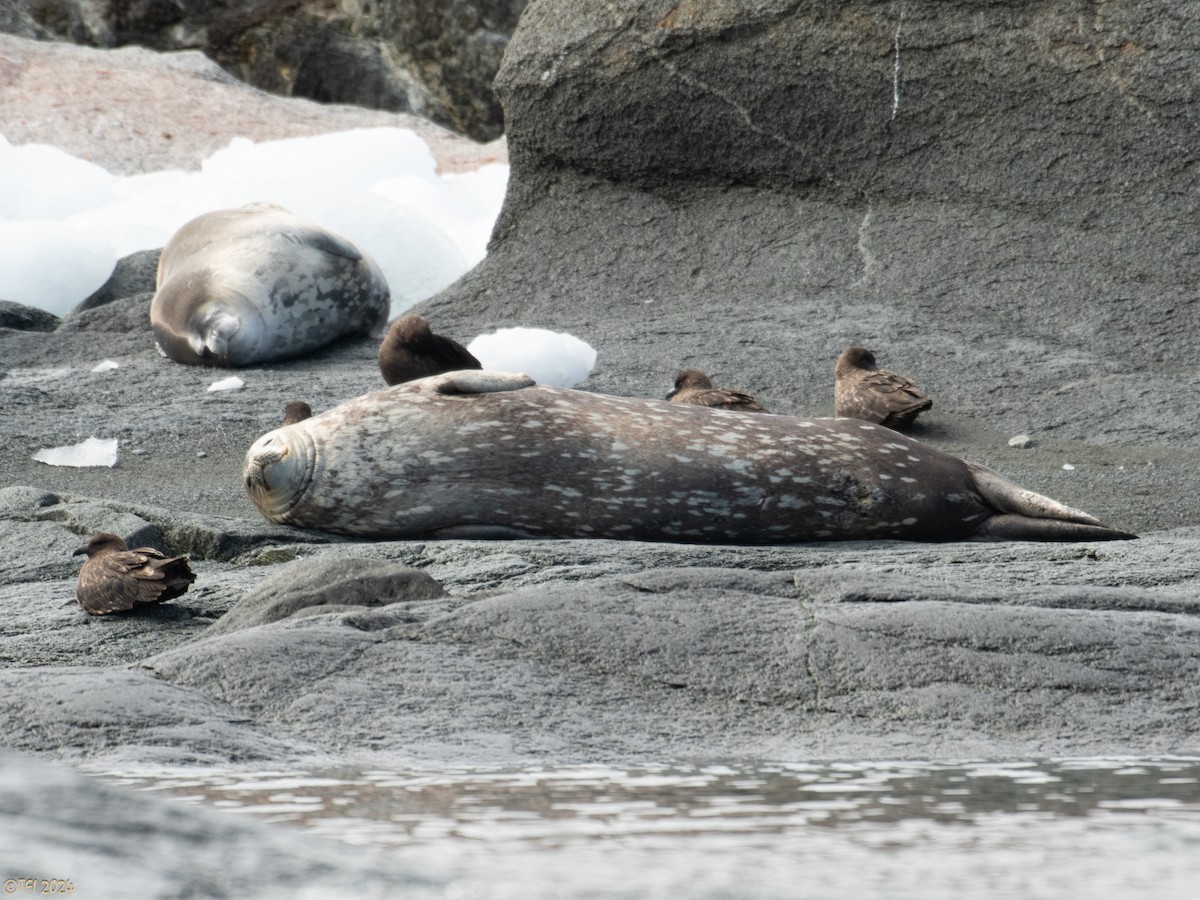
[
  {"x": 325, "y": 241},
  {"x": 477, "y": 381}
]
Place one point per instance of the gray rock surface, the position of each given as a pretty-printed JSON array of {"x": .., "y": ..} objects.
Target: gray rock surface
[
  {"x": 133, "y": 274},
  {"x": 738, "y": 190},
  {"x": 431, "y": 57},
  {"x": 26, "y": 318}
]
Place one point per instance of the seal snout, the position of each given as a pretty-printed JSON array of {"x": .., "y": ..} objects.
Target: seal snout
[{"x": 277, "y": 471}]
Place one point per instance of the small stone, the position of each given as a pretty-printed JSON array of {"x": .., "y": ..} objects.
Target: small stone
[
  {"x": 200, "y": 454},
  {"x": 1068, "y": 467},
  {"x": 1021, "y": 441}
]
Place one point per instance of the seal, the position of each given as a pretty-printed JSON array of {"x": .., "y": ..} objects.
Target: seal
[
  {"x": 491, "y": 454},
  {"x": 114, "y": 578},
  {"x": 411, "y": 351},
  {"x": 861, "y": 390},
  {"x": 255, "y": 284},
  {"x": 693, "y": 386}
]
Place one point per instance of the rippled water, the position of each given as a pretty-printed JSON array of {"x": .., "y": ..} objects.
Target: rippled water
[{"x": 1100, "y": 828}]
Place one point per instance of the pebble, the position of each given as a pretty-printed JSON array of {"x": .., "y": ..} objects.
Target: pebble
[{"x": 1021, "y": 441}]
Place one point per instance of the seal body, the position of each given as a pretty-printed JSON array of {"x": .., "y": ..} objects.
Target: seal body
[
  {"x": 242, "y": 286},
  {"x": 485, "y": 454}
]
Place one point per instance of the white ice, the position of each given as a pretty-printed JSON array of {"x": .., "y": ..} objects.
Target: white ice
[
  {"x": 549, "y": 357},
  {"x": 92, "y": 452},
  {"x": 65, "y": 222},
  {"x": 232, "y": 383}
]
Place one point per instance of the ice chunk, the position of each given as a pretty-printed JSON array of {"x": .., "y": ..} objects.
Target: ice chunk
[{"x": 92, "y": 452}]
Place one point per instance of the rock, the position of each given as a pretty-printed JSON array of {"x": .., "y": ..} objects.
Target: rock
[
  {"x": 129, "y": 314},
  {"x": 772, "y": 157},
  {"x": 437, "y": 59},
  {"x": 26, "y": 318},
  {"x": 1021, "y": 441},
  {"x": 143, "y": 90},
  {"x": 16, "y": 19},
  {"x": 725, "y": 187},
  {"x": 133, "y": 274},
  {"x": 308, "y": 587},
  {"x": 719, "y": 660}
]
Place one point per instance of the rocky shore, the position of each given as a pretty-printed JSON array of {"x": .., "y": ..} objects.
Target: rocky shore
[{"x": 998, "y": 201}]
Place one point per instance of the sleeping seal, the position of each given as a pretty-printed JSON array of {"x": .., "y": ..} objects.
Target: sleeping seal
[
  {"x": 491, "y": 454},
  {"x": 255, "y": 284}
]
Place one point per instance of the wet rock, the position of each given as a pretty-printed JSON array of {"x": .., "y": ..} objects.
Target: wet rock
[{"x": 76, "y": 829}]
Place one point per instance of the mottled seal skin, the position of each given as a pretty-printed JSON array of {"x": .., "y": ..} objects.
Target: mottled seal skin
[
  {"x": 242, "y": 286},
  {"x": 411, "y": 350},
  {"x": 694, "y": 387},
  {"x": 116, "y": 579},
  {"x": 487, "y": 454},
  {"x": 861, "y": 390}
]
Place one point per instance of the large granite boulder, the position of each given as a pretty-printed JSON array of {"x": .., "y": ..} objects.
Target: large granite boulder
[
  {"x": 436, "y": 59},
  {"x": 997, "y": 198}
]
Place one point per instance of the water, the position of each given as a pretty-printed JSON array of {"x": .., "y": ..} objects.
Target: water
[{"x": 1101, "y": 828}]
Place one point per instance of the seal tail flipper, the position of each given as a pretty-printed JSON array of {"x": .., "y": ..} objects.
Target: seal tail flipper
[
  {"x": 1026, "y": 515},
  {"x": 1010, "y": 527}
]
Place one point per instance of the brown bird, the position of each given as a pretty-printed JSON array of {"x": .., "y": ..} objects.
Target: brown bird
[
  {"x": 863, "y": 391},
  {"x": 116, "y": 578},
  {"x": 694, "y": 387},
  {"x": 296, "y": 411},
  {"x": 410, "y": 351}
]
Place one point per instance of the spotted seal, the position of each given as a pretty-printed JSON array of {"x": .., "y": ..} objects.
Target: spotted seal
[
  {"x": 490, "y": 454},
  {"x": 250, "y": 285},
  {"x": 862, "y": 390}
]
